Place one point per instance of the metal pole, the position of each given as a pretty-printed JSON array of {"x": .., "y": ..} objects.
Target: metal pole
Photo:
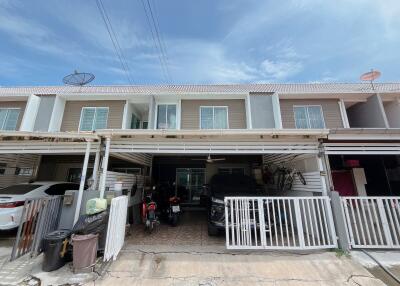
[
  {"x": 105, "y": 166},
  {"x": 83, "y": 180},
  {"x": 95, "y": 174}
]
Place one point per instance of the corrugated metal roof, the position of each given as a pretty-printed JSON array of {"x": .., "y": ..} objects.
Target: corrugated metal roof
[{"x": 208, "y": 88}]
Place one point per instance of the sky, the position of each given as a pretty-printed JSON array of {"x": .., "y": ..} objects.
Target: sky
[{"x": 206, "y": 42}]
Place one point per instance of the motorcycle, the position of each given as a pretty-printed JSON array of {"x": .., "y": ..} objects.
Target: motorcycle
[
  {"x": 174, "y": 210},
  {"x": 149, "y": 216}
]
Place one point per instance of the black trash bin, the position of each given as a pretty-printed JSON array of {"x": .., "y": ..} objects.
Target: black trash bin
[{"x": 55, "y": 246}]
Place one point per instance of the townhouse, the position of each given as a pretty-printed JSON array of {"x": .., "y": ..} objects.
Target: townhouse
[{"x": 341, "y": 137}]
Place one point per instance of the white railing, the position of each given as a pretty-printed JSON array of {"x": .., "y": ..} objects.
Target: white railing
[
  {"x": 372, "y": 222},
  {"x": 279, "y": 223},
  {"x": 116, "y": 227}
]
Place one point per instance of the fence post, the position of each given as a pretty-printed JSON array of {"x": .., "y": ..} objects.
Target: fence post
[
  {"x": 340, "y": 221},
  {"x": 299, "y": 224}
]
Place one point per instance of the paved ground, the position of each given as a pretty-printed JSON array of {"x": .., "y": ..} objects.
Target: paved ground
[{"x": 186, "y": 255}]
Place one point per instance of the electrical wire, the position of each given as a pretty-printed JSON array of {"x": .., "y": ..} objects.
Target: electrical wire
[
  {"x": 157, "y": 47},
  {"x": 114, "y": 39}
]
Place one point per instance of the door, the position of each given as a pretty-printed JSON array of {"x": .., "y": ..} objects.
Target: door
[
  {"x": 189, "y": 183},
  {"x": 343, "y": 183}
]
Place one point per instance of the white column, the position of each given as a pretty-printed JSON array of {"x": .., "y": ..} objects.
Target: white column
[
  {"x": 105, "y": 166},
  {"x": 95, "y": 174},
  {"x": 322, "y": 172},
  {"x": 249, "y": 122},
  {"x": 343, "y": 113},
  {"x": 83, "y": 179},
  {"x": 276, "y": 108},
  {"x": 31, "y": 110}
]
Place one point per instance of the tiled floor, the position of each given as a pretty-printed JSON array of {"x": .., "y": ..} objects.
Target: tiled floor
[{"x": 191, "y": 231}]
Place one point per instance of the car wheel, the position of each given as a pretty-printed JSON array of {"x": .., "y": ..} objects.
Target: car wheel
[{"x": 212, "y": 230}]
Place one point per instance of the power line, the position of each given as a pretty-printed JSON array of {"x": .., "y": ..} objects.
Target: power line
[
  {"x": 159, "y": 37},
  {"x": 114, "y": 39},
  {"x": 156, "y": 44}
]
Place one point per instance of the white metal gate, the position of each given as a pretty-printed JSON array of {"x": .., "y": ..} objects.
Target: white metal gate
[
  {"x": 372, "y": 222},
  {"x": 279, "y": 223}
]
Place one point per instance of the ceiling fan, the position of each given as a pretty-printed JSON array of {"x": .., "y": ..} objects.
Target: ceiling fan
[{"x": 209, "y": 159}]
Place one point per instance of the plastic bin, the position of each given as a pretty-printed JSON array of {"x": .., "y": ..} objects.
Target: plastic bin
[
  {"x": 55, "y": 247},
  {"x": 96, "y": 224},
  {"x": 84, "y": 251}
]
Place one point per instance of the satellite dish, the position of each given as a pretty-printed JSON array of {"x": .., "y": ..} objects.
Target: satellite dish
[
  {"x": 371, "y": 76},
  {"x": 78, "y": 78}
]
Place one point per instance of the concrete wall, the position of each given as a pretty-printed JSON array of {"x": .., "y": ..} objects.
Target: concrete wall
[
  {"x": 392, "y": 109},
  {"x": 369, "y": 114},
  {"x": 190, "y": 112},
  {"x": 15, "y": 104},
  {"x": 262, "y": 114},
  {"x": 330, "y": 110},
  {"x": 44, "y": 114},
  {"x": 73, "y": 109}
]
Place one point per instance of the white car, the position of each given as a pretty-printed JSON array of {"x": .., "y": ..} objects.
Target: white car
[{"x": 12, "y": 199}]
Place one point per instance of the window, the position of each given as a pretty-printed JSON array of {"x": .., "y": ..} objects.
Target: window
[
  {"x": 135, "y": 171},
  {"x": 135, "y": 122},
  {"x": 145, "y": 124},
  {"x": 213, "y": 117},
  {"x": 166, "y": 116},
  {"x": 23, "y": 171},
  {"x": 93, "y": 118},
  {"x": 9, "y": 118},
  {"x": 59, "y": 189},
  {"x": 309, "y": 116}
]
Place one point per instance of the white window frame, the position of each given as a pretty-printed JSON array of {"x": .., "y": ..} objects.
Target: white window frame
[
  {"x": 176, "y": 115},
  {"x": 8, "y": 109},
  {"x": 308, "y": 118},
  {"x": 213, "y": 107},
  {"x": 94, "y": 118}
]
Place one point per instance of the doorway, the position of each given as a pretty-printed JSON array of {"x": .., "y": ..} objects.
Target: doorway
[{"x": 189, "y": 184}]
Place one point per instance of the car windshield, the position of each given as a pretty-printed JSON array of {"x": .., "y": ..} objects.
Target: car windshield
[{"x": 18, "y": 189}]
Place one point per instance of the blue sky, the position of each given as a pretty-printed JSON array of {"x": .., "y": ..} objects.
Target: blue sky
[{"x": 207, "y": 41}]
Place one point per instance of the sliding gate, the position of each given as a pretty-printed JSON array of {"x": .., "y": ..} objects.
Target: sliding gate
[
  {"x": 279, "y": 223},
  {"x": 372, "y": 222}
]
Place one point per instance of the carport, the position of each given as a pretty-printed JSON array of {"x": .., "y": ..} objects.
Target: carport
[{"x": 274, "y": 148}]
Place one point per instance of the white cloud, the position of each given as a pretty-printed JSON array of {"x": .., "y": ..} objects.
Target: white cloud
[{"x": 280, "y": 69}]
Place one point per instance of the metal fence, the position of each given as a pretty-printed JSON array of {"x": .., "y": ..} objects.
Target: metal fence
[
  {"x": 372, "y": 222},
  {"x": 39, "y": 217},
  {"x": 116, "y": 227},
  {"x": 279, "y": 223}
]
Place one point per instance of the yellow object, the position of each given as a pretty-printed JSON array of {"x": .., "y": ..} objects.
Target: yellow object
[{"x": 94, "y": 206}]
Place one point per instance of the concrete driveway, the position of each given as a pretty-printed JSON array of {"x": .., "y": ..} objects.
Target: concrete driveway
[{"x": 213, "y": 265}]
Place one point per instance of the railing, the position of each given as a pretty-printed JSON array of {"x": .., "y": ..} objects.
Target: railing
[
  {"x": 39, "y": 217},
  {"x": 372, "y": 222},
  {"x": 116, "y": 227},
  {"x": 279, "y": 223}
]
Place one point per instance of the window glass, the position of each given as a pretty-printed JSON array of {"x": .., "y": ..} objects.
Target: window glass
[
  {"x": 101, "y": 118},
  {"x": 87, "y": 119},
  {"x": 300, "y": 117},
  {"x": 213, "y": 117},
  {"x": 206, "y": 118},
  {"x": 162, "y": 117},
  {"x": 93, "y": 118},
  {"x": 220, "y": 118},
  {"x": 9, "y": 118},
  {"x": 315, "y": 117},
  {"x": 166, "y": 116},
  {"x": 145, "y": 125},
  {"x": 135, "y": 122}
]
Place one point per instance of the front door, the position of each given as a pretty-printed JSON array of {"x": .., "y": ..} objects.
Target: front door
[{"x": 189, "y": 183}]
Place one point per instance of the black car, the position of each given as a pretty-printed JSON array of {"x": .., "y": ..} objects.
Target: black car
[{"x": 226, "y": 185}]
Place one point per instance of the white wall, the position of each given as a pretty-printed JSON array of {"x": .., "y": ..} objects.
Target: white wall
[
  {"x": 392, "y": 109},
  {"x": 57, "y": 115},
  {"x": 369, "y": 114}
]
